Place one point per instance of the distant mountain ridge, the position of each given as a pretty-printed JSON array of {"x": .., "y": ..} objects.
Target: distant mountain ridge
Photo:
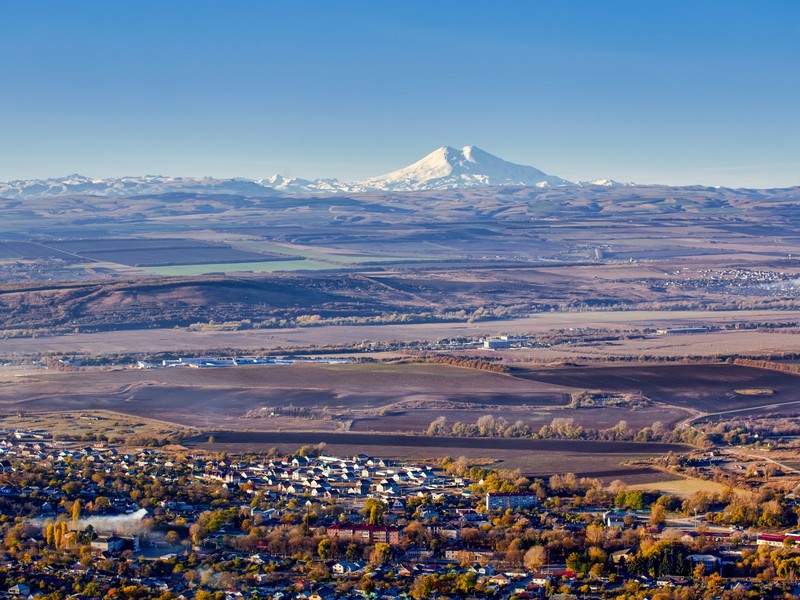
[
  {"x": 444, "y": 168},
  {"x": 120, "y": 187}
]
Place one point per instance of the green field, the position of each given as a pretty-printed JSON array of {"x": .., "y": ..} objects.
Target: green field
[{"x": 255, "y": 267}]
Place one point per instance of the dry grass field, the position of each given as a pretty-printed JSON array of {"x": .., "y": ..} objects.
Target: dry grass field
[
  {"x": 680, "y": 486},
  {"x": 180, "y": 339},
  {"x": 89, "y": 425}
]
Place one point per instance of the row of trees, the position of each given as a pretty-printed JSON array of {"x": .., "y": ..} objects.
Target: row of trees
[{"x": 561, "y": 428}]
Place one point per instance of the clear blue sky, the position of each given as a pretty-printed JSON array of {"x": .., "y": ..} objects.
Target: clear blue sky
[{"x": 650, "y": 91}]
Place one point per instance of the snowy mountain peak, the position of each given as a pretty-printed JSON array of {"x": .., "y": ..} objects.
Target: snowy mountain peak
[
  {"x": 444, "y": 168},
  {"x": 610, "y": 183},
  {"x": 448, "y": 167}
]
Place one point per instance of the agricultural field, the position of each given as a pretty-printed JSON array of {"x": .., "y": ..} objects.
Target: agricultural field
[
  {"x": 336, "y": 256},
  {"x": 271, "y": 266},
  {"x": 13, "y": 250},
  {"x": 374, "y": 405},
  {"x": 707, "y": 388},
  {"x": 155, "y": 339},
  {"x": 154, "y": 252}
]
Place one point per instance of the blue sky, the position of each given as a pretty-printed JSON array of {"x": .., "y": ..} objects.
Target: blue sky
[{"x": 654, "y": 92}]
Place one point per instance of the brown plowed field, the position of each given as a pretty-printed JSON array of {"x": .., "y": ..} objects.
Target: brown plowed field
[
  {"x": 419, "y": 441},
  {"x": 197, "y": 397},
  {"x": 703, "y": 387}
]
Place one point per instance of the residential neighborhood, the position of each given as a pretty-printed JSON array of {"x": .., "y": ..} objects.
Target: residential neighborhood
[{"x": 90, "y": 521}]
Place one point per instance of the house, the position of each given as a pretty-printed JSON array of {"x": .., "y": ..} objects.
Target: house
[
  {"x": 456, "y": 553},
  {"x": 616, "y": 519},
  {"x": 447, "y": 531},
  {"x": 499, "y": 579},
  {"x": 621, "y": 556},
  {"x": 771, "y": 539},
  {"x": 20, "y": 589},
  {"x": 345, "y": 568},
  {"x": 428, "y": 512},
  {"x": 387, "y": 486},
  {"x": 369, "y": 534},
  {"x": 709, "y": 561},
  {"x": 114, "y": 544},
  {"x": 503, "y": 501},
  {"x": 323, "y": 593},
  {"x": 540, "y": 578},
  {"x": 496, "y": 344}
]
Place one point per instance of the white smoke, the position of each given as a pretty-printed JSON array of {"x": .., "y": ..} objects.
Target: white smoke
[{"x": 131, "y": 523}]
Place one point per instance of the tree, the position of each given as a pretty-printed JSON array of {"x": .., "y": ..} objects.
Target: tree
[
  {"x": 416, "y": 533},
  {"x": 380, "y": 554},
  {"x": 352, "y": 552},
  {"x": 422, "y": 587},
  {"x": 374, "y": 509},
  {"x": 535, "y": 557},
  {"x": 466, "y": 583},
  {"x": 367, "y": 585},
  {"x": 49, "y": 535},
  {"x": 172, "y": 537},
  {"x": 438, "y": 427},
  {"x": 324, "y": 549},
  {"x": 658, "y": 514},
  {"x": 595, "y": 534},
  {"x": 486, "y": 425},
  {"x": 75, "y": 511}
]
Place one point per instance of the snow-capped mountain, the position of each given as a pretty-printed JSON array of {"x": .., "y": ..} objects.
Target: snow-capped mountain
[
  {"x": 609, "y": 183},
  {"x": 297, "y": 185},
  {"x": 444, "y": 168},
  {"x": 447, "y": 168},
  {"x": 118, "y": 187}
]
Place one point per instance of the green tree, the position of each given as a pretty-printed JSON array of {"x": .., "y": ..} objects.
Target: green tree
[
  {"x": 373, "y": 510},
  {"x": 324, "y": 549}
]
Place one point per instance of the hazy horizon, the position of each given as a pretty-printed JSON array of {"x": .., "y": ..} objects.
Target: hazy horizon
[{"x": 257, "y": 178}]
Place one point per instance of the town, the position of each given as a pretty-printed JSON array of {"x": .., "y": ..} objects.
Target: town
[{"x": 172, "y": 522}]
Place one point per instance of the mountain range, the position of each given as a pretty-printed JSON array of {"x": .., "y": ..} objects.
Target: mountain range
[{"x": 444, "y": 168}]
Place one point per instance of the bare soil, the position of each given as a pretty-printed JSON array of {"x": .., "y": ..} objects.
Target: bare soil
[{"x": 704, "y": 387}]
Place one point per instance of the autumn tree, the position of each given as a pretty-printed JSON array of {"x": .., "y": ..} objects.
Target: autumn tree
[
  {"x": 75, "y": 511},
  {"x": 380, "y": 554},
  {"x": 535, "y": 558}
]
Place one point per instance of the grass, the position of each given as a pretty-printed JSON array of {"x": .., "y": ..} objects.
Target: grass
[
  {"x": 255, "y": 267},
  {"x": 681, "y": 487},
  {"x": 90, "y": 423}
]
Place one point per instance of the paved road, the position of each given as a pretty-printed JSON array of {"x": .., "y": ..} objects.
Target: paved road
[{"x": 784, "y": 468}]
